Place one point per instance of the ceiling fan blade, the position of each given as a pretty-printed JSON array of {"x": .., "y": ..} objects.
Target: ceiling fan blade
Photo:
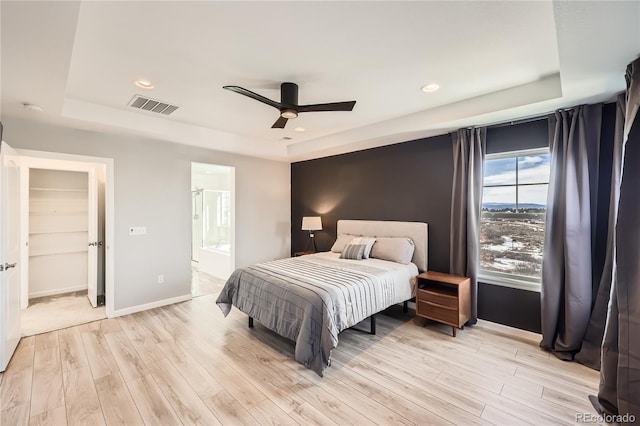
[
  {"x": 334, "y": 106},
  {"x": 253, "y": 95},
  {"x": 280, "y": 123}
]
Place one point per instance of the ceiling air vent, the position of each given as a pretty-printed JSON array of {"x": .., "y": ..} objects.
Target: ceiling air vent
[{"x": 152, "y": 105}]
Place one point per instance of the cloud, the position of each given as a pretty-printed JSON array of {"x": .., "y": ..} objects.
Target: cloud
[
  {"x": 533, "y": 161},
  {"x": 531, "y": 169},
  {"x": 537, "y": 174}
]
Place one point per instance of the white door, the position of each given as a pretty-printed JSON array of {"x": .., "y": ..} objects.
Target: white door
[
  {"x": 9, "y": 253},
  {"x": 94, "y": 244}
]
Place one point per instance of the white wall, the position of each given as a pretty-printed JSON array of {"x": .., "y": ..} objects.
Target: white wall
[{"x": 153, "y": 189}]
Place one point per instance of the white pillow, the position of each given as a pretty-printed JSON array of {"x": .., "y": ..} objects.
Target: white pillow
[
  {"x": 341, "y": 242},
  {"x": 367, "y": 242},
  {"x": 398, "y": 250}
]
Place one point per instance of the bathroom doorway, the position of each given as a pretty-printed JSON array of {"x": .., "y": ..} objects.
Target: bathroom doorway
[{"x": 213, "y": 226}]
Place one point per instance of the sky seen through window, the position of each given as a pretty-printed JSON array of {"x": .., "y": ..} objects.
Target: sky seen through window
[{"x": 532, "y": 169}]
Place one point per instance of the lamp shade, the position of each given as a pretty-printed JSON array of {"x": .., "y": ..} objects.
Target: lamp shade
[{"x": 311, "y": 223}]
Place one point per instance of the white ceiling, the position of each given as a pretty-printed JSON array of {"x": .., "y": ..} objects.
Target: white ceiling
[{"x": 495, "y": 61}]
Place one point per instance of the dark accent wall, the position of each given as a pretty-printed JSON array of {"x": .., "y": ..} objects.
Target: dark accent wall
[
  {"x": 509, "y": 306},
  {"x": 409, "y": 181},
  {"x": 530, "y": 135},
  {"x": 604, "y": 187},
  {"x": 412, "y": 181}
]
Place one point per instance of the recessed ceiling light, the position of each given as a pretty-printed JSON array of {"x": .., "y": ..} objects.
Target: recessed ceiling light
[
  {"x": 144, "y": 84},
  {"x": 299, "y": 129},
  {"x": 431, "y": 87},
  {"x": 33, "y": 107}
]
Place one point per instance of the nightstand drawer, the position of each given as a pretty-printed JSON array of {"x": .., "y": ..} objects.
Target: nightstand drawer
[
  {"x": 438, "y": 298},
  {"x": 437, "y": 312}
]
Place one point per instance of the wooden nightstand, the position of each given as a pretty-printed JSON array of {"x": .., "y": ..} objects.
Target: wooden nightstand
[
  {"x": 444, "y": 298},
  {"x": 302, "y": 253}
]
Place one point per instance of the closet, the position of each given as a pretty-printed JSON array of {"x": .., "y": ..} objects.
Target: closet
[{"x": 58, "y": 232}]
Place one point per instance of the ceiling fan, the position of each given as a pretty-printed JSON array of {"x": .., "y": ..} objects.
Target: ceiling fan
[{"x": 288, "y": 105}]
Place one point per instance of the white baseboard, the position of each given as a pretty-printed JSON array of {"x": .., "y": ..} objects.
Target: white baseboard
[
  {"x": 151, "y": 305},
  {"x": 57, "y": 291}
]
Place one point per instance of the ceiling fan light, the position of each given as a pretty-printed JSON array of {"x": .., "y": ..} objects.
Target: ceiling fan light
[{"x": 288, "y": 113}]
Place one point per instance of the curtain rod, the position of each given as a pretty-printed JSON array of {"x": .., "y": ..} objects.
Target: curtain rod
[
  {"x": 527, "y": 119},
  {"x": 517, "y": 121},
  {"x": 507, "y": 122}
]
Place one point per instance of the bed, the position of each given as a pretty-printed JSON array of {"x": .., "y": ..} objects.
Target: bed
[{"x": 310, "y": 299}]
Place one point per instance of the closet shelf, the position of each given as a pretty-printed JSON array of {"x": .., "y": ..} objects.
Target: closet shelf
[
  {"x": 58, "y": 189},
  {"x": 58, "y": 213},
  {"x": 75, "y": 231},
  {"x": 58, "y": 253}
]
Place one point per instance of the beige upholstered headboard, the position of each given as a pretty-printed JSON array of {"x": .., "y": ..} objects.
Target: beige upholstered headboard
[{"x": 417, "y": 231}]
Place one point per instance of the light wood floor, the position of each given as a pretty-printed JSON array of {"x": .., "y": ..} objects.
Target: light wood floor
[
  {"x": 203, "y": 283},
  {"x": 186, "y": 364}
]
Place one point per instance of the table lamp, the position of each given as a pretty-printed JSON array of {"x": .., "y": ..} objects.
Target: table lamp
[{"x": 311, "y": 223}]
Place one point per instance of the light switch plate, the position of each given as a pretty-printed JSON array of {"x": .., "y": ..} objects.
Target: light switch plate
[{"x": 137, "y": 230}]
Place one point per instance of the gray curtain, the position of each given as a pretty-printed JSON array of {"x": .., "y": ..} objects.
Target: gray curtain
[
  {"x": 619, "y": 391},
  {"x": 567, "y": 265},
  {"x": 589, "y": 354},
  {"x": 469, "y": 148}
]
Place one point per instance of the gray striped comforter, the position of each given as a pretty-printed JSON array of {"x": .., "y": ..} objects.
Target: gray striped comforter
[{"x": 311, "y": 299}]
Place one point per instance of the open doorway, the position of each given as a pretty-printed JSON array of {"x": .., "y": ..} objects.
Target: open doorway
[
  {"x": 213, "y": 226},
  {"x": 63, "y": 218}
]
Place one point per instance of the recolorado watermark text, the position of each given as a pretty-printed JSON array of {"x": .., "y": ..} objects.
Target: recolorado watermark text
[{"x": 605, "y": 418}]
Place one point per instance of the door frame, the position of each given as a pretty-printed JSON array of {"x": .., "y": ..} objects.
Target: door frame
[{"x": 71, "y": 162}]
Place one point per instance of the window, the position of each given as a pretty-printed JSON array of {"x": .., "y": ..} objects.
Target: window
[{"x": 512, "y": 222}]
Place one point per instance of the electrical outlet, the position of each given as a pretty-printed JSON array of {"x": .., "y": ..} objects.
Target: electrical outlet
[{"x": 160, "y": 279}]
